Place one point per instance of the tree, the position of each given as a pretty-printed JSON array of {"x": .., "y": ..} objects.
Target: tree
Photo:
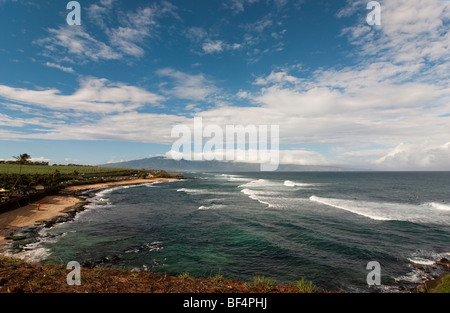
[{"x": 22, "y": 159}]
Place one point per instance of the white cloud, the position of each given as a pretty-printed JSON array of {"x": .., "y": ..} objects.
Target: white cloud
[
  {"x": 364, "y": 153},
  {"x": 130, "y": 126},
  {"x": 113, "y": 160},
  {"x": 136, "y": 28},
  {"x": 260, "y": 25},
  {"x": 303, "y": 157},
  {"x": 98, "y": 12},
  {"x": 94, "y": 95},
  {"x": 217, "y": 46},
  {"x": 297, "y": 157},
  {"x": 75, "y": 44},
  {"x": 40, "y": 159},
  {"x": 187, "y": 86},
  {"x": 396, "y": 98},
  {"x": 279, "y": 77},
  {"x": 411, "y": 31},
  {"x": 60, "y": 67},
  {"x": 212, "y": 46},
  {"x": 414, "y": 156},
  {"x": 196, "y": 34},
  {"x": 238, "y": 6}
]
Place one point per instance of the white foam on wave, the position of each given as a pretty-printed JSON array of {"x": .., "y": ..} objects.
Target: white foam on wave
[
  {"x": 416, "y": 276},
  {"x": 385, "y": 211},
  {"x": 235, "y": 178},
  {"x": 258, "y": 183},
  {"x": 212, "y": 207},
  {"x": 421, "y": 261},
  {"x": 356, "y": 207},
  {"x": 35, "y": 251},
  {"x": 439, "y": 206},
  {"x": 32, "y": 254},
  {"x": 187, "y": 190},
  {"x": 427, "y": 257},
  {"x": 203, "y": 191},
  {"x": 256, "y": 195},
  {"x": 289, "y": 183},
  {"x": 422, "y": 267},
  {"x": 100, "y": 200}
]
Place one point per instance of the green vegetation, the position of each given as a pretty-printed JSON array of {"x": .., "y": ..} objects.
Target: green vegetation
[
  {"x": 22, "y": 178},
  {"x": 186, "y": 275},
  {"x": 63, "y": 169},
  {"x": 305, "y": 286},
  {"x": 261, "y": 281},
  {"x": 9, "y": 260},
  {"x": 444, "y": 286}
]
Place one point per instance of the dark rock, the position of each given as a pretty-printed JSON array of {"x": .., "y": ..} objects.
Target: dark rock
[
  {"x": 16, "y": 237},
  {"x": 87, "y": 264},
  {"x": 3, "y": 282},
  {"x": 443, "y": 262},
  {"x": 15, "y": 290},
  {"x": 420, "y": 289}
]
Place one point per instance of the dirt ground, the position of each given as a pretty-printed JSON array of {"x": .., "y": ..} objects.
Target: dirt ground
[{"x": 17, "y": 276}]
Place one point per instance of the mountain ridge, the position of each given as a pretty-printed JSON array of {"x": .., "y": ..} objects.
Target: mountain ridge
[{"x": 162, "y": 163}]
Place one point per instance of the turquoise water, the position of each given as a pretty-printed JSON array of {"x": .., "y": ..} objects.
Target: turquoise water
[{"x": 324, "y": 227}]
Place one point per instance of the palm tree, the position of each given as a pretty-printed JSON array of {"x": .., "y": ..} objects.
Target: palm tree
[{"x": 21, "y": 159}]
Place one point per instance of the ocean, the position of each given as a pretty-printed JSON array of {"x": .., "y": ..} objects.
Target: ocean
[{"x": 322, "y": 226}]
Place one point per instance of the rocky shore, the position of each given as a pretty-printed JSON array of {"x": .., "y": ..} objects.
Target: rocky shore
[{"x": 429, "y": 285}]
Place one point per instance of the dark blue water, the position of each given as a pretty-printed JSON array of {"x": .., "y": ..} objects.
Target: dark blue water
[{"x": 324, "y": 227}]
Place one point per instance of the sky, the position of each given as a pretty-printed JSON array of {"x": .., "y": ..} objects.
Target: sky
[{"x": 343, "y": 92}]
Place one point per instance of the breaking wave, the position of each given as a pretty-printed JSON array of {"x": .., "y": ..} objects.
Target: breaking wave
[
  {"x": 289, "y": 183},
  {"x": 386, "y": 211},
  {"x": 257, "y": 195}
]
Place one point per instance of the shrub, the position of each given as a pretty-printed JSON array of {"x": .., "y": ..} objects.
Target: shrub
[{"x": 305, "y": 286}]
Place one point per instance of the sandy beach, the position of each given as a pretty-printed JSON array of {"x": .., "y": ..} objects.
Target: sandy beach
[
  {"x": 53, "y": 206},
  {"x": 116, "y": 183}
]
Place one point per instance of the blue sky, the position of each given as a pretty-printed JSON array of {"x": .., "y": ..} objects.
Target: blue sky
[{"x": 343, "y": 92}]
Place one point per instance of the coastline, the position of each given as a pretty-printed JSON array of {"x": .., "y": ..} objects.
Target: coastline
[
  {"x": 54, "y": 206},
  {"x": 74, "y": 189},
  {"x": 69, "y": 201}
]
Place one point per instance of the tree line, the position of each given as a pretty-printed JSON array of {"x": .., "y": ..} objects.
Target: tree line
[{"x": 23, "y": 159}]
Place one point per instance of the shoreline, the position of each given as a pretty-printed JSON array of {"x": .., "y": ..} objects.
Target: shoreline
[
  {"x": 51, "y": 207},
  {"x": 69, "y": 201},
  {"x": 127, "y": 182}
]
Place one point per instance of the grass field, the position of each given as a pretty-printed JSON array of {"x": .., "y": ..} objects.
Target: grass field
[{"x": 63, "y": 169}]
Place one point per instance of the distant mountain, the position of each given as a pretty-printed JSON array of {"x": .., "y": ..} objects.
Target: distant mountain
[{"x": 170, "y": 165}]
